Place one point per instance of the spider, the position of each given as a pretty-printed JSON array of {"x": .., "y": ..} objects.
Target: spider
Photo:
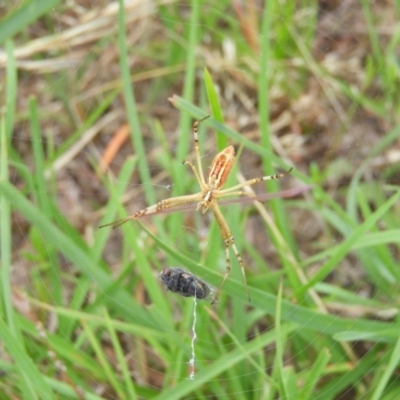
[{"x": 210, "y": 192}]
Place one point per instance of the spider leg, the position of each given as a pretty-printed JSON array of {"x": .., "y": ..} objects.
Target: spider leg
[
  {"x": 229, "y": 241},
  {"x": 158, "y": 208},
  {"x": 191, "y": 165},
  {"x": 197, "y": 149},
  {"x": 254, "y": 180}
]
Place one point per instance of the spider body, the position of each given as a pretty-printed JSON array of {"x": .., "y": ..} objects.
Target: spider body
[
  {"x": 219, "y": 171},
  {"x": 210, "y": 192},
  {"x": 221, "y": 167}
]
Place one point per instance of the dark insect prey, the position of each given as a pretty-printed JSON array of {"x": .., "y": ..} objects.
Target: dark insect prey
[{"x": 182, "y": 282}]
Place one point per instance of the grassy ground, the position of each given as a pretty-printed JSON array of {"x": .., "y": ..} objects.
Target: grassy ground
[{"x": 97, "y": 107}]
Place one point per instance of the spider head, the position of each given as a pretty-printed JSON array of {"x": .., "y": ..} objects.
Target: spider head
[{"x": 204, "y": 204}]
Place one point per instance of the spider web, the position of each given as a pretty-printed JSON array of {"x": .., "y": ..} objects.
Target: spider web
[{"x": 312, "y": 131}]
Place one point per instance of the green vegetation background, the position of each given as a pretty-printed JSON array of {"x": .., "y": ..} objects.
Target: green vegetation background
[{"x": 303, "y": 84}]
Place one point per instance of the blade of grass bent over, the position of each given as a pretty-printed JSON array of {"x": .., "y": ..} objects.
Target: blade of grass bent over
[{"x": 304, "y": 317}]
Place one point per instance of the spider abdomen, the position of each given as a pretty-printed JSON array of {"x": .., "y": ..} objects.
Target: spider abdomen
[{"x": 221, "y": 167}]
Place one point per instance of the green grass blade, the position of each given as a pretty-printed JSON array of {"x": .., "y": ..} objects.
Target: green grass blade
[
  {"x": 280, "y": 340},
  {"x": 24, "y": 16},
  {"x": 40, "y": 182},
  {"x": 6, "y": 308},
  {"x": 65, "y": 389},
  {"x": 30, "y": 377},
  {"x": 228, "y": 360},
  {"x": 264, "y": 77},
  {"x": 374, "y": 39},
  {"x": 102, "y": 360},
  {"x": 369, "y": 240},
  {"x": 80, "y": 258},
  {"x": 89, "y": 121},
  {"x": 336, "y": 385},
  {"x": 131, "y": 231},
  {"x": 6, "y": 131},
  {"x": 198, "y": 113},
  {"x": 189, "y": 81},
  {"x": 354, "y": 335},
  {"x": 131, "y": 108},
  {"x": 307, "y": 318},
  {"x": 122, "y": 361},
  {"x": 215, "y": 106},
  {"x": 349, "y": 243},
  {"x": 43, "y": 200},
  {"x": 134, "y": 328},
  {"x": 11, "y": 90},
  {"x": 264, "y": 83},
  {"x": 312, "y": 377},
  {"x": 192, "y": 33},
  {"x": 121, "y": 185}
]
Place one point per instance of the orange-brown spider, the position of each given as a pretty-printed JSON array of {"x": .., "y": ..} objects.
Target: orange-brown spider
[{"x": 210, "y": 191}]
